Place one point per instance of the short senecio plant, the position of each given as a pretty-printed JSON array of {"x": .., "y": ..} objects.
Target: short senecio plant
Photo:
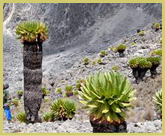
[
  {"x": 108, "y": 96},
  {"x": 64, "y": 109},
  {"x": 158, "y": 102},
  {"x": 21, "y": 117}
]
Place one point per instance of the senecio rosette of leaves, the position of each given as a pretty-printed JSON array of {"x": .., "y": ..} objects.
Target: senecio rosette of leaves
[
  {"x": 154, "y": 60},
  {"x": 108, "y": 96},
  {"x": 28, "y": 31},
  {"x": 158, "y": 101},
  {"x": 64, "y": 109},
  {"x": 144, "y": 64},
  {"x": 21, "y": 117},
  {"x": 121, "y": 47},
  {"x": 134, "y": 63},
  {"x": 49, "y": 117}
]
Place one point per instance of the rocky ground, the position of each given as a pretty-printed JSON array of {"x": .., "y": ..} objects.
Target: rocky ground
[{"x": 77, "y": 126}]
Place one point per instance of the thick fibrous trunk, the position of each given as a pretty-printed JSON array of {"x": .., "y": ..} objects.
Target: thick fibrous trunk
[
  {"x": 105, "y": 127},
  {"x": 153, "y": 70},
  {"x": 32, "y": 59}
]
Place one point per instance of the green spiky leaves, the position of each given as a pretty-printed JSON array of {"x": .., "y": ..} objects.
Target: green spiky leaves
[
  {"x": 158, "y": 101},
  {"x": 108, "y": 95},
  {"x": 64, "y": 108},
  {"x": 21, "y": 116},
  {"x": 30, "y": 31}
]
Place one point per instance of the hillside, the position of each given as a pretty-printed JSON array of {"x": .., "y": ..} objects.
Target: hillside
[{"x": 75, "y": 35}]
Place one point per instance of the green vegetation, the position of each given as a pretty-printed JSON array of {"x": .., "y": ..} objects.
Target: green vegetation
[
  {"x": 154, "y": 60},
  {"x": 115, "y": 68},
  {"x": 132, "y": 43},
  {"x": 45, "y": 92},
  {"x": 15, "y": 102},
  {"x": 157, "y": 25},
  {"x": 141, "y": 33},
  {"x": 75, "y": 92},
  {"x": 94, "y": 63},
  {"x": 59, "y": 90},
  {"x": 28, "y": 31},
  {"x": 86, "y": 61},
  {"x": 103, "y": 53},
  {"x": 20, "y": 93},
  {"x": 144, "y": 64},
  {"x": 134, "y": 63},
  {"x": 111, "y": 100},
  {"x": 49, "y": 116},
  {"x": 64, "y": 108},
  {"x": 46, "y": 99},
  {"x": 121, "y": 47},
  {"x": 69, "y": 90},
  {"x": 158, "y": 101},
  {"x": 21, "y": 117},
  {"x": 99, "y": 61},
  {"x": 156, "y": 52}
]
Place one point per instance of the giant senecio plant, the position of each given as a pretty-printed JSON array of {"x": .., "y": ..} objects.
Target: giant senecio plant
[
  {"x": 32, "y": 34},
  {"x": 108, "y": 96}
]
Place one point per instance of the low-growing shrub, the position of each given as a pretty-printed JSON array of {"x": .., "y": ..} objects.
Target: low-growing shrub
[
  {"x": 120, "y": 49},
  {"x": 59, "y": 90},
  {"x": 49, "y": 117},
  {"x": 75, "y": 92},
  {"x": 103, "y": 53},
  {"x": 94, "y": 63},
  {"x": 157, "y": 52},
  {"x": 64, "y": 108},
  {"x": 46, "y": 99},
  {"x": 45, "y": 92},
  {"x": 15, "y": 102},
  {"x": 115, "y": 68},
  {"x": 99, "y": 61},
  {"x": 157, "y": 26},
  {"x": 141, "y": 33},
  {"x": 21, "y": 117},
  {"x": 19, "y": 93},
  {"x": 69, "y": 90},
  {"x": 86, "y": 61},
  {"x": 158, "y": 102}
]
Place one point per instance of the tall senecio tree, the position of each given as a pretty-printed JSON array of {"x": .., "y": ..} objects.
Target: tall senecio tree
[{"x": 32, "y": 34}]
